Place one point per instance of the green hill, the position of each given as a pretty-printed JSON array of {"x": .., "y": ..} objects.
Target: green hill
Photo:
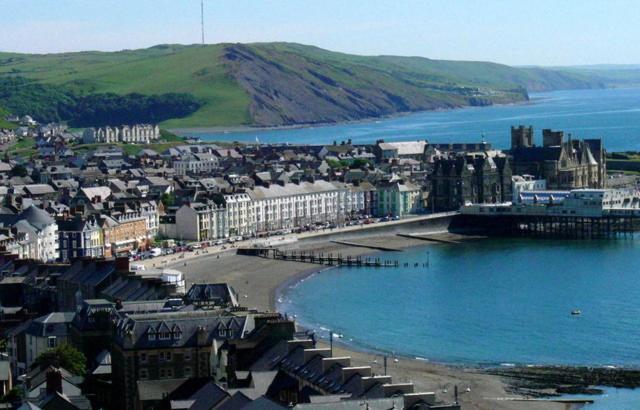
[{"x": 268, "y": 84}]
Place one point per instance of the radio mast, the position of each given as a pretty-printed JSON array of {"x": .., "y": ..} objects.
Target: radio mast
[{"x": 202, "y": 20}]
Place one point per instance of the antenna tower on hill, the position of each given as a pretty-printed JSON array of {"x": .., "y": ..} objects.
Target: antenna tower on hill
[{"x": 202, "y": 20}]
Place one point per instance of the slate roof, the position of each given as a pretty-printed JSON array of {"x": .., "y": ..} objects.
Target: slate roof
[
  {"x": 276, "y": 191},
  {"x": 53, "y": 324},
  {"x": 220, "y": 294},
  {"x": 37, "y": 217},
  {"x": 133, "y": 330},
  {"x": 156, "y": 389},
  {"x": 201, "y": 393},
  {"x": 536, "y": 154}
]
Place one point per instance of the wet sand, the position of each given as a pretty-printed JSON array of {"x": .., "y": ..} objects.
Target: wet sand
[{"x": 259, "y": 280}]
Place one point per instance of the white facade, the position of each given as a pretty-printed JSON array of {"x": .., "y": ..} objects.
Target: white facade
[
  {"x": 195, "y": 164},
  {"x": 264, "y": 209},
  {"x": 525, "y": 183},
  {"x": 136, "y": 134},
  {"x": 201, "y": 221},
  {"x": 579, "y": 202}
]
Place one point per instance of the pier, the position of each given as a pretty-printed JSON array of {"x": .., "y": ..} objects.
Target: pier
[
  {"x": 547, "y": 226},
  {"x": 582, "y": 214},
  {"x": 319, "y": 258}
]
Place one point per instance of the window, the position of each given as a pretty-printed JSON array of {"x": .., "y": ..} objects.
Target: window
[
  {"x": 144, "y": 374},
  {"x": 151, "y": 336},
  {"x": 187, "y": 372},
  {"x": 161, "y": 356},
  {"x": 169, "y": 373},
  {"x": 187, "y": 355},
  {"x": 162, "y": 373},
  {"x": 143, "y": 358},
  {"x": 51, "y": 342},
  {"x": 167, "y": 356}
]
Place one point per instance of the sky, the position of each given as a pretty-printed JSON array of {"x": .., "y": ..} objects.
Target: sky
[{"x": 515, "y": 32}]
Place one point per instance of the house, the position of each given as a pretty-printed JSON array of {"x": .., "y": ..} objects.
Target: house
[
  {"x": 398, "y": 199},
  {"x": 54, "y": 388},
  {"x": 47, "y": 332},
  {"x": 39, "y": 230},
  {"x": 386, "y": 151},
  {"x": 212, "y": 295},
  {"x": 80, "y": 237}
]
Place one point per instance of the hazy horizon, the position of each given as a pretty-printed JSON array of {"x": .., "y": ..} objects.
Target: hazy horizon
[{"x": 546, "y": 33}]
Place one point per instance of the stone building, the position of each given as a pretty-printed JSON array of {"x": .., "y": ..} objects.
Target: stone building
[
  {"x": 176, "y": 345},
  {"x": 563, "y": 164},
  {"x": 476, "y": 177}
]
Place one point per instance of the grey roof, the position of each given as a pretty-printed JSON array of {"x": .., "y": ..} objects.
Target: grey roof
[
  {"x": 156, "y": 389},
  {"x": 133, "y": 330},
  {"x": 276, "y": 191},
  {"x": 197, "y": 394},
  {"x": 53, "y": 324},
  {"x": 219, "y": 294},
  {"x": 37, "y": 217},
  {"x": 237, "y": 401},
  {"x": 263, "y": 403},
  {"x": 386, "y": 403}
]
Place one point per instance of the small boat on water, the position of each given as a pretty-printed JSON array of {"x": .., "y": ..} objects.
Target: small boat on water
[{"x": 576, "y": 312}]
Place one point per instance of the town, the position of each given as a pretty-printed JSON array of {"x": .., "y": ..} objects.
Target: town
[{"x": 88, "y": 312}]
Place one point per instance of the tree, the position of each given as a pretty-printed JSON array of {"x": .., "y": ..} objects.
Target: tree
[
  {"x": 18, "y": 171},
  {"x": 168, "y": 199},
  {"x": 65, "y": 356}
]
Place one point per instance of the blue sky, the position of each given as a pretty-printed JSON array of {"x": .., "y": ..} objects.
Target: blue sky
[{"x": 518, "y": 32}]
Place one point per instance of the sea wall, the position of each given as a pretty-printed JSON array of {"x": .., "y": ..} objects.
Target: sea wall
[{"x": 433, "y": 224}]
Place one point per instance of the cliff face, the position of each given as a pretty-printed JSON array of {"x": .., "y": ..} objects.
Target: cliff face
[{"x": 286, "y": 88}]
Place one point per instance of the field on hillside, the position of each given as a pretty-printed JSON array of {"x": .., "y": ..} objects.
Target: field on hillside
[{"x": 287, "y": 83}]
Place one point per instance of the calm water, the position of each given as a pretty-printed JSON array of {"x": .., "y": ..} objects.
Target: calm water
[
  {"x": 612, "y": 114},
  {"x": 487, "y": 302}
]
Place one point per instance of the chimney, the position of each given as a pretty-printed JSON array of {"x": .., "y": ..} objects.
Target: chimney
[
  {"x": 54, "y": 381},
  {"x": 122, "y": 264}
]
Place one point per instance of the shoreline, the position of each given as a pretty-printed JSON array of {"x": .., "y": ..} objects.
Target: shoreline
[
  {"x": 260, "y": 281},
  {"x": 238, "y": 129}
]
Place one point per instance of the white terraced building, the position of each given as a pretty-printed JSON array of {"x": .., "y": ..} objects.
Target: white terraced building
[
  {"x": 298, "y": 204},
  {"x": 272, "y": 208},
  {"x": 136, "y": 134}
]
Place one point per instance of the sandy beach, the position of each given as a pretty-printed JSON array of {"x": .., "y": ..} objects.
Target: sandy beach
[{"x": 259, "y": 280}]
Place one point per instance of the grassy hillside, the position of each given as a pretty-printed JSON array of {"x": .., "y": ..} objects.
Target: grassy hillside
[
  {"x": 285, "y": 83},
  {"x": 4, "y": 123}
]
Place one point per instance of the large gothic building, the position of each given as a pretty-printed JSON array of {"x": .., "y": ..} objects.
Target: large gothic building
[
  {"x": 564, "y": 164},
  {"x": 477, "y": 177}
]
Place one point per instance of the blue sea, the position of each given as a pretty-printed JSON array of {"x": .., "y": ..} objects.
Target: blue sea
[
  {"x": 612, "y": 114},
  {"x": 491, "y": 302},
  {"x": 487, "y": 302}
]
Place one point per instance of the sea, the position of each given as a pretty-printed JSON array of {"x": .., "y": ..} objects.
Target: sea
[
  {"x": 611, "y": 114},
  {"x": 492, "y": 302}
]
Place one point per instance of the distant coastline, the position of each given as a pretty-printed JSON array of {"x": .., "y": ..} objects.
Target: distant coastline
[{"x": 193, "y": 131}]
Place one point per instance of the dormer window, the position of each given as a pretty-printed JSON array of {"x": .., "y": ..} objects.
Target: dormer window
[{"x": 151, "y": 335}]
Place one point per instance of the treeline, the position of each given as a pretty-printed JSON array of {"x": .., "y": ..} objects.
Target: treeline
[
  {"x": 111, "y": 109},
  {"x": 54, "y": 103}
]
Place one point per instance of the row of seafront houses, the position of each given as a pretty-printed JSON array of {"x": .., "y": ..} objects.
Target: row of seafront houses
[
  {"x": 37, "y": 234},
  {"x": 288, "y": 206}
]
